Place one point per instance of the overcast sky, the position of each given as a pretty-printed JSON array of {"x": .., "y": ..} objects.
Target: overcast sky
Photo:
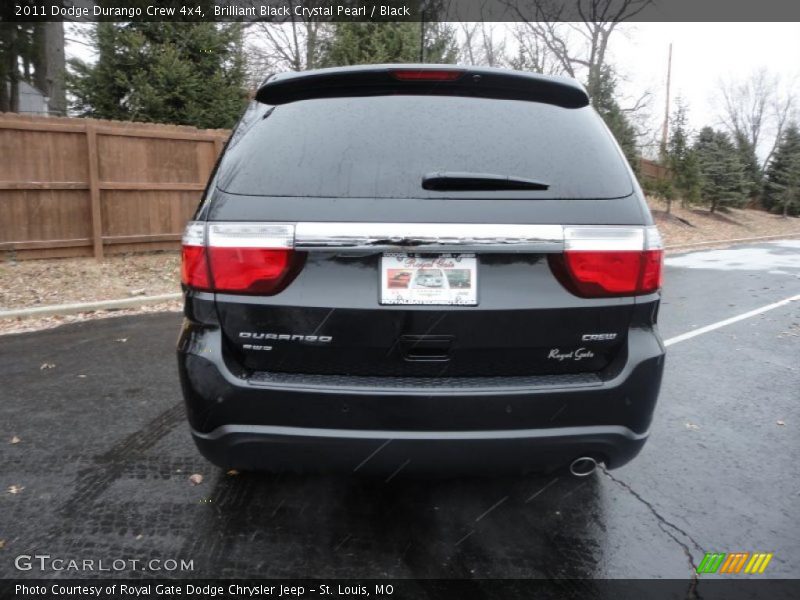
[{"x": 703, "y": 53}]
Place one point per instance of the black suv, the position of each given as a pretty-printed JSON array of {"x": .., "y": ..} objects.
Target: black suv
[{"x": 431, "y": 268}]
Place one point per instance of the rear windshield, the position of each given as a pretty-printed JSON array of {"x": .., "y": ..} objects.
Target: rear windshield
[{"x": 382, "y": 147}]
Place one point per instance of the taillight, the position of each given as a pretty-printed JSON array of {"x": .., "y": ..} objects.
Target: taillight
[
  {"x": 427, "y": 74},
  {"x": 243, "y": 258},
  {"x": 610, "y": 261},
  {"x": 652, "y": 270},
  {"x": 194, "y": 264}
]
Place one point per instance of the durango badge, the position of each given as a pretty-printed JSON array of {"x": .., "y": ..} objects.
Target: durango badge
[{"x": 285, "y": 337}]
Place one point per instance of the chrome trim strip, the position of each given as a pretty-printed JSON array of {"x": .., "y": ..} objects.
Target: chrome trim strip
[
  {"x": 370, "y": 434},
  {"x": 250, "y": 235},
  {"x": 607, "y": 238},
  {"x": 439, "y": 237},
  {"x": 423, "y": 237}
]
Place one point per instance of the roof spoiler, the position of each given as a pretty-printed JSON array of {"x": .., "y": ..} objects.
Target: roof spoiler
[{"x": 440, "y": 80}]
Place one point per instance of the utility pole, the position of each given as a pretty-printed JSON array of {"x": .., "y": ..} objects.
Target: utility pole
[{"x": 665, "y": 130}]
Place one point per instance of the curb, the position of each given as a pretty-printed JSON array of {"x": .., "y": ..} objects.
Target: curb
[
  {"x": 67, "y": 309},
  {"x": 731, "y": 241}
]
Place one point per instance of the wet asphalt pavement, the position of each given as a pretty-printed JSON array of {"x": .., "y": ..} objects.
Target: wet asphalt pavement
[{"x": 105, "y": 458}]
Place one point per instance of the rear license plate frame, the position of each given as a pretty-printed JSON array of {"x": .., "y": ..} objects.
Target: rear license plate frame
[{"x": 408, "y": 278}]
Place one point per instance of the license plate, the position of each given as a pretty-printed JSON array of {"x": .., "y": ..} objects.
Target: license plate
[{"x": 448, "y": 279}]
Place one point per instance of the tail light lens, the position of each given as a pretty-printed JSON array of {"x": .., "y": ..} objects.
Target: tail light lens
[
  {"x": 240, "y": 258},
  {"x": 249, "y": 270},
  {"x": 600, "y": 262},
  {"x": 194, "y": 262}
]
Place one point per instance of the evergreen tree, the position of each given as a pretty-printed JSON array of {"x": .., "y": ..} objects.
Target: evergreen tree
[
  {"x": 721, "y": 170},
  {"x": 187, "y": 73},
  {"x": 604, "y": 101},
  {"x": 782, "y": 187},
  {"x": 754, "y": 178},
  {"x": 441, "y": 45},
  {"x": 691, "y": 180},
  {"x": 681, "y": 158},
  {"x": 380, "y": 42}
]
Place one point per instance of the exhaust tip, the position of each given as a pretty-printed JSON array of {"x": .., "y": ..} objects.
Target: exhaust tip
[{"x": 583, "y": 466}]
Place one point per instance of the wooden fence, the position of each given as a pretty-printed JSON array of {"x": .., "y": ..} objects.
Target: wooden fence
[
  {"x": 649, "y": 169},
  {"x": 83, "y": 187}
]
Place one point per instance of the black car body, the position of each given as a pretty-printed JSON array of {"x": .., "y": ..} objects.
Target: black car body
[{"x": 298, "y": 352}]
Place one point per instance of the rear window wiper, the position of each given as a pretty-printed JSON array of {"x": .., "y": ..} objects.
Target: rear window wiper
[{"x": 451, "y": 181}]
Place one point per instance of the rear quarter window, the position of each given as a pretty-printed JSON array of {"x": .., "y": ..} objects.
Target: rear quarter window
[{"x": 381, "y": 147}]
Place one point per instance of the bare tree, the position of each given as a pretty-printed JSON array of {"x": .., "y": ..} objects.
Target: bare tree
[
  {"x": 577, "y": 46},
  {"x": 782, "y": 108},
  {"x": 291, "y": 45},
  {"x": 481, "y": 46},
  {"x": 468, "y": 53},
  {"x": 533, "y": 55},
  {"x": 744, "y": 105},
  {"x": 756, "y": 109}
]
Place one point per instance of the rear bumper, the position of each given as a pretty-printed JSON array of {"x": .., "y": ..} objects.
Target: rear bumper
[
  {"x": 358, "y": 424},
  {"x": 387, "y": 453}
]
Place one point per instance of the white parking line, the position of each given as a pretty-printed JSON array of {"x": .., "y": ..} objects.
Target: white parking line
[{"x": 701, "y": 330}]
